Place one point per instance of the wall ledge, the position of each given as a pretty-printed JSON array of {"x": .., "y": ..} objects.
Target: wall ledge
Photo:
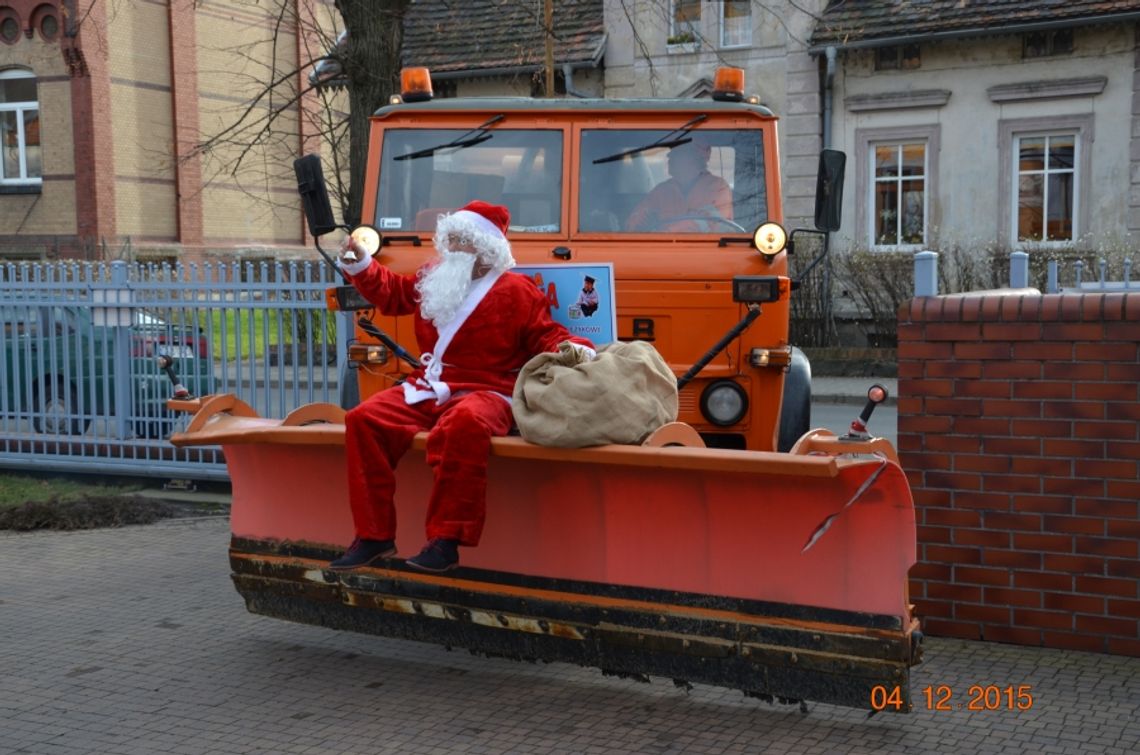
[
  {"x": 897, "y": 100},
  {"x": 1048, "y": 90}
]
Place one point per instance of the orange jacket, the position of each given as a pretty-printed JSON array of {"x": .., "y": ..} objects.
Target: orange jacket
[{"x": 709, "y": 196}]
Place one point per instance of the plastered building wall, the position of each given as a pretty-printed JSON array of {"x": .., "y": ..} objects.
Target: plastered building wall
[
  {"x": 641, "y": 63},
  {"x": 969, "y": 200}
]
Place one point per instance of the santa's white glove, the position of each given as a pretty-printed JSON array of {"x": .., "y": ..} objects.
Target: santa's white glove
[{"x": 353, "y": 258}]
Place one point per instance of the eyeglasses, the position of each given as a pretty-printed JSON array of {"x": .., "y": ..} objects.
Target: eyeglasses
[{"x": 457, "y": 240}]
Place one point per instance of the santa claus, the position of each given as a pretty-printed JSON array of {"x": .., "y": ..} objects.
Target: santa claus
[{"x": 477, "y": 324}]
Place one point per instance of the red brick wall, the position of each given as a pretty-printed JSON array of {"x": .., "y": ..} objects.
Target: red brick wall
[
  {"x": 91, "y": 123},
  {"x": 1018, "y": 429}
]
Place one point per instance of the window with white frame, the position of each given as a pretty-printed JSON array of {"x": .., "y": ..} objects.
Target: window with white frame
[
  {"x": 735, "y": 23},
  {"x": 684, "y": 20},
  {"x": 19, "y": 129},
  {"x": 1045, "y": 199},
  {"x": 899, "y": 198}
]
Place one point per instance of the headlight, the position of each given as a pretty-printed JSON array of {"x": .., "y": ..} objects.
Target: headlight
[
  {"x": 724, "y": 403},
  {"x": 770, "y": 239}
]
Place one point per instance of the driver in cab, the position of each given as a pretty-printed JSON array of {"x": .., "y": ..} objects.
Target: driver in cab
[{"x": 691, "y": 200}]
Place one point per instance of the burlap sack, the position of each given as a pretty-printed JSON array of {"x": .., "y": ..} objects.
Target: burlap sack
[{"x": 624, "y": 394}]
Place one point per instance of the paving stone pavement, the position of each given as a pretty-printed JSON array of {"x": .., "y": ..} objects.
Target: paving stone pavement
[{"x": 133, "y": 641}]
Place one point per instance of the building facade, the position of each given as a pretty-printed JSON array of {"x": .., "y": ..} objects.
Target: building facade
[
  {"x": 672, "y": 48},
  {"x": 986, "y": 125},
  {"x": 980, "y": 125},
  {"x": 115, "y": 117}
]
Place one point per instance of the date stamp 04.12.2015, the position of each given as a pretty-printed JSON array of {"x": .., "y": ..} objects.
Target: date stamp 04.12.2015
[{"x": 942, "y": 697}]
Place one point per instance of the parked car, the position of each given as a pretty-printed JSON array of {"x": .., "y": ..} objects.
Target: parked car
[{"x": 60, "y": 367}]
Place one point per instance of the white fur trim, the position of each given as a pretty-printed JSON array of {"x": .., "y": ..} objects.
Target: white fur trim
[
  {"x": 489, "y": 241},
  {"x": 354, "y": 268},
  {"x": 480, "y": 222},
  {"x": 431, "y": 386}
]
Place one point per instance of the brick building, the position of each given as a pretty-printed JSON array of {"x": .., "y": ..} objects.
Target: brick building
[
  {"x": 103, "y": 106},
  {"x": 127, "y": 93}
]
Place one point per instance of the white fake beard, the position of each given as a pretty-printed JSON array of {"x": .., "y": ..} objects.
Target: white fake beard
[{"x": 444, "y": 286}]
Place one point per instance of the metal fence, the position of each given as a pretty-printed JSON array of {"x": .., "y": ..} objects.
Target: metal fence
[
  {"x": 82, "y": 388},
  {"x": 926, "y": 275},
  {"x": 1102, "y": 283}
]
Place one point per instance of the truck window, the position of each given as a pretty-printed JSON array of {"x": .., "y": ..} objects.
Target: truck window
[
  {"x": 521, "y": 169},
  {"x": 713, "y": 182}
]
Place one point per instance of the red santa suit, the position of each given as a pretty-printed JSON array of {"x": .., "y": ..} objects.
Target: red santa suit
[{"x": 461, "y": 394}]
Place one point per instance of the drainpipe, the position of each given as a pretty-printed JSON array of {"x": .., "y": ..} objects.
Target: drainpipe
[
  {"x": 568, "y": 78},
  {"x": 830, "y": 55},
  {"x": 829, "y": 78}
]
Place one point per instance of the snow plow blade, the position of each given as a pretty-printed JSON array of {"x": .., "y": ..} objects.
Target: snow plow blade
[{"x": 781, "y": 575}]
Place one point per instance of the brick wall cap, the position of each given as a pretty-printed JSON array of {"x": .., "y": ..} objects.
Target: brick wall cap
[
  {"x": 999, "y": 305},
  {"x": 988, "y": 293}
]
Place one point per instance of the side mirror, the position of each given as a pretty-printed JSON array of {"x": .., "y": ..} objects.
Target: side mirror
[
  {"x": 314, "y": 195},
  {"x": 829, "y": 189}
]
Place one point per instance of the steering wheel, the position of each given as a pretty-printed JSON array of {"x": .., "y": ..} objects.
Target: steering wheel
[{"x": 717, "y": 218}]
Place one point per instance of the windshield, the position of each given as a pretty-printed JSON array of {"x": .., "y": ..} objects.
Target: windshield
[
  {"x": 708, "y": 181},
  {"x": 521, "y": 169}
]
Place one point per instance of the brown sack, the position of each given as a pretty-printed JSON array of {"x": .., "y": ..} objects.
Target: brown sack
[{"x": 624, "y": 394}]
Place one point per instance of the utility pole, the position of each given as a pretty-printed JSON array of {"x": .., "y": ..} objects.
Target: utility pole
[{"x": 549, "y": 23}]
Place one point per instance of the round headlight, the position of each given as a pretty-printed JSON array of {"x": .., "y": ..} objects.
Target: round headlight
[
  {"x": 724, "y": 403},
  {"x": 770, "y": 239},
  {"x": 368, "y": 237}
]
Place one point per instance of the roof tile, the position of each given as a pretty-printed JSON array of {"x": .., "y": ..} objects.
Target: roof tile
[
  {"x": 471, "y": 35},
  {"x": 847, "y": 21}
]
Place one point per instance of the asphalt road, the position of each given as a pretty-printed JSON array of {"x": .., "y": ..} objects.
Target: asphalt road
[
  {"x": 134, "y": 642},
  {"x": 837, "y": 418}
]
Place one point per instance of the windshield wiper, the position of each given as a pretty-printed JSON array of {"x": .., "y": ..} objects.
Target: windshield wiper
[
  {"x": 667, "y": 141},
  {"x": 477, "y": 135}
]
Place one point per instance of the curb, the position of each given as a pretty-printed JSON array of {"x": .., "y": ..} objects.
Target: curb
[{"x": 852, "y": 400}]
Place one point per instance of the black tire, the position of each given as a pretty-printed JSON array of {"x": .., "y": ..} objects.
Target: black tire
[
  {"x": 55, "y": 406},
  {"x": 795, "y": 411},
  {"x": 348, "y": 386}
]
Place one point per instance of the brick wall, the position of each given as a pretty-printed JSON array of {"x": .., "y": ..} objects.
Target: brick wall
[{"x": 1018, "y": 429}]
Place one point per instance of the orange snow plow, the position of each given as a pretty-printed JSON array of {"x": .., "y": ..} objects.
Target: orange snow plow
[
  {"x": 736, "y": 547},
  {"x": 783, "y": 575}
]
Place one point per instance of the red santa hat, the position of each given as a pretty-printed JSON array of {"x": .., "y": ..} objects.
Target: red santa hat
[{"x": 486, "y": 225}]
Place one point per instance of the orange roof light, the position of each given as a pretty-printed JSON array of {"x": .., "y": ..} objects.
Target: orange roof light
[
  {"x": 415, "y": 84},
  {"x": 728, "y": 86}
]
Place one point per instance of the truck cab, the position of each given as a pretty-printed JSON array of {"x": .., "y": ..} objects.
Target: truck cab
[{"x": 681, "y": 197}]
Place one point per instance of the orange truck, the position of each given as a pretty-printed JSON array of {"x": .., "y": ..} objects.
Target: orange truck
[
  {"x": 591, "y": 181},
  {"x": 788, "y": 548}
]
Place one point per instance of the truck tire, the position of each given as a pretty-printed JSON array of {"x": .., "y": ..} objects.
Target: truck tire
[
  {"x": 56, "y": 402},
  {"x": 795, "y": 411},
  {"x": 348, "y": 386}
]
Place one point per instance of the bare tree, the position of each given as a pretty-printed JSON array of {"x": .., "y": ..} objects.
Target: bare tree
[
  {"x": 253, "y": 141},
  {"x": 371, "y": 65}
]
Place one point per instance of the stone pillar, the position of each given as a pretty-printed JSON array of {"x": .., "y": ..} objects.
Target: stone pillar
[
  {"x": 184, "y": 98},
  {"x": 86, "y": 55}
]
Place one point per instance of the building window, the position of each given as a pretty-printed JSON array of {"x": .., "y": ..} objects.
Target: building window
[
  {"x": 19, "y": 129},
  {"x": 444, "y": 88},
  {"x": 1043, "y": 44},
  {"x": 898, "y": 187},
  {"x": 897, "y": 57},
  {"x": 9, "y": 26},
  {"x": 684, "y": 21},
  {"x": 735, "y": 23},
  {"x": 1046, "y": 196}
]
